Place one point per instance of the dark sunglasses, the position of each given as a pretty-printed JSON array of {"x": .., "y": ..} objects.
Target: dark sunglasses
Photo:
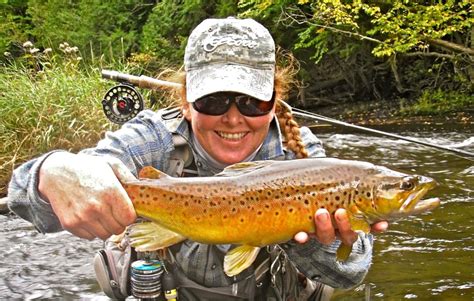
[{"x": 218, "y": 103}]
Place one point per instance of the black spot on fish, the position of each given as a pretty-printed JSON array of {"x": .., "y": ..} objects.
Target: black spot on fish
[
  {"x": 306, "y": 202},
  {"x": 368, "y": 194},
  {"x": 186, "y": 204},
  {"x": 277, "y": 213},
  {"x": 337, "y": 198},
  {"x": 241, "y": 220},
  {"x": 290, "y": 210},
  {"x": 259, "y": 212}
]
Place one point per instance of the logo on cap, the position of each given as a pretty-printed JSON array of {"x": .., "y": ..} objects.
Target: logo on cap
[{"x": 211, "y": 44}]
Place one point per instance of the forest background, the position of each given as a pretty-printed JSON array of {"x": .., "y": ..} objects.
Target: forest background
[{"x": 413, "y": 56}]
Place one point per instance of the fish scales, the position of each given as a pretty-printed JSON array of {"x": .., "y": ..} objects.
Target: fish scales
[{"x": 267, "y": 202}]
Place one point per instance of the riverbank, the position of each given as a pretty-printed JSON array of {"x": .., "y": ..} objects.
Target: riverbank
[{"x": 389, "y": 112}]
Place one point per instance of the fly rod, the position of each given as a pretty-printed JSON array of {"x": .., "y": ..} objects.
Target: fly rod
[{"x": 152, "y": 83}]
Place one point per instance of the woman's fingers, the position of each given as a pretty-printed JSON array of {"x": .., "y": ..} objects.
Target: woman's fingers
[
  {"x": 325, "y": 231},
  {"x": 379, "y": 227}
]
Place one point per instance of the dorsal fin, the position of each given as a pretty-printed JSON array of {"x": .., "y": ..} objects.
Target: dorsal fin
[
  {"x": 243, "y": 168},
  {"x": 149, "y": 172}
]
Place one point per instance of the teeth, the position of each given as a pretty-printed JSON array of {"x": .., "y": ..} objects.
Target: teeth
[{"x": 231, "y": 136}]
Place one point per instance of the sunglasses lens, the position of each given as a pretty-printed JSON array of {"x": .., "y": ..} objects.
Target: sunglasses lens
[
  {"x": 219, "y": 103},
  {"x": 253, "y": 107},
  {"x": 212, "y": 105}
]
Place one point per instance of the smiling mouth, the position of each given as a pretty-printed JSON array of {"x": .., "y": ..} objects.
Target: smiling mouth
[{"x": 231, "y": 136}]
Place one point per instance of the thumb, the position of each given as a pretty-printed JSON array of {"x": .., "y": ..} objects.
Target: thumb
[{"x": 120, "y": 170}]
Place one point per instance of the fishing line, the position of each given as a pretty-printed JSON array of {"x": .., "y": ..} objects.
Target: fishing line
[{"x": 308, "y": 115}]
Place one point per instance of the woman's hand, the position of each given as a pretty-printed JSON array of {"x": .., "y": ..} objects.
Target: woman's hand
[
  {"x": 326, "y": 232},
  {"x": 86, "y": 195}
]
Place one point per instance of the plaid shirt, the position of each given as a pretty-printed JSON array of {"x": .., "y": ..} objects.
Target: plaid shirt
[{"x": 147, "y": 140}]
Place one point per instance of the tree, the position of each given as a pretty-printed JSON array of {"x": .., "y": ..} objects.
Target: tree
[{"x": 433, "y": 35}]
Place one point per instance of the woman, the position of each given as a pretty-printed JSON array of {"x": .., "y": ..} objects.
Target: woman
[{"x": 231, "y": 97}]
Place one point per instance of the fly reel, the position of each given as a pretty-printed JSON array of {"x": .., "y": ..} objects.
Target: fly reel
[{"x": 121, "y": 103}]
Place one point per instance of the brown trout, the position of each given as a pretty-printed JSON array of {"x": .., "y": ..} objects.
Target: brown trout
[{"x": 255, "y": 204}]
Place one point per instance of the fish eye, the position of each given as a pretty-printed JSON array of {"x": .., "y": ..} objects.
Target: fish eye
[{"x": 407, "y": 183}]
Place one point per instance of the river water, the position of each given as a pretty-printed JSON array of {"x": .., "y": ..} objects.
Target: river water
[{"x": 427, "y": 257}]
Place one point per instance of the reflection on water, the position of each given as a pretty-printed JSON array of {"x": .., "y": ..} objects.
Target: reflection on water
[{"x": 428, "y": 257}]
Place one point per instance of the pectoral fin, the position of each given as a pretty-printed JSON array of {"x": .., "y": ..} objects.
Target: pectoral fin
[
  {"x": 343, "y": 252},
  {"x": 149, "y": 236},
  {"x": 360, "y": 225},
  {"x": 239, "y": 258},
  {"x": 357, "y": 224}
]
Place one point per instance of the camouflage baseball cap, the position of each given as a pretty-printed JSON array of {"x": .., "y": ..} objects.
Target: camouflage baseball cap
[{"x": 235, "y": 55}]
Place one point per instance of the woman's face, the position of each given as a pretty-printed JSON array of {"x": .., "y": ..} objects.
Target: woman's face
[{"x": 231, "y": 137}]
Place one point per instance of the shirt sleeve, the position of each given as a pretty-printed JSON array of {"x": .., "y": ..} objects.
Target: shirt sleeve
[
  {"x": 318, "y": 261},
  {"x": 24, "y": 198},
  {"x": 142, "y": 141},
  {"x": 313, "y": 145}
]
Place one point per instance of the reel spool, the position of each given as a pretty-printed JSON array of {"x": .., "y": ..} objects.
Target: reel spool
[{"x": 121, "y": 103}]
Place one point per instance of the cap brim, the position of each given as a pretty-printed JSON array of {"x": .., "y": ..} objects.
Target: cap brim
[{"x": 214, "y": 78}]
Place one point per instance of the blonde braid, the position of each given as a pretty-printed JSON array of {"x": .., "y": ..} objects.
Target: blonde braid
[{"x": 291, "y": 130}]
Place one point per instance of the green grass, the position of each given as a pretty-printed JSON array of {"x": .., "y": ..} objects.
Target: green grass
[
  {"x": 437, "y": 102},
  {"x": 58, "y": 107}
]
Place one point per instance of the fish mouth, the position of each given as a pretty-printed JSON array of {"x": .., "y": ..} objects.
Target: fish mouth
[
  {"x": 425, "y": 205},
  {"x": 414, "y": 203}
]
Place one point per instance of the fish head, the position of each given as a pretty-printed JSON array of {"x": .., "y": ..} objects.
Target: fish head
[{"x": 390, "y": 195}]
